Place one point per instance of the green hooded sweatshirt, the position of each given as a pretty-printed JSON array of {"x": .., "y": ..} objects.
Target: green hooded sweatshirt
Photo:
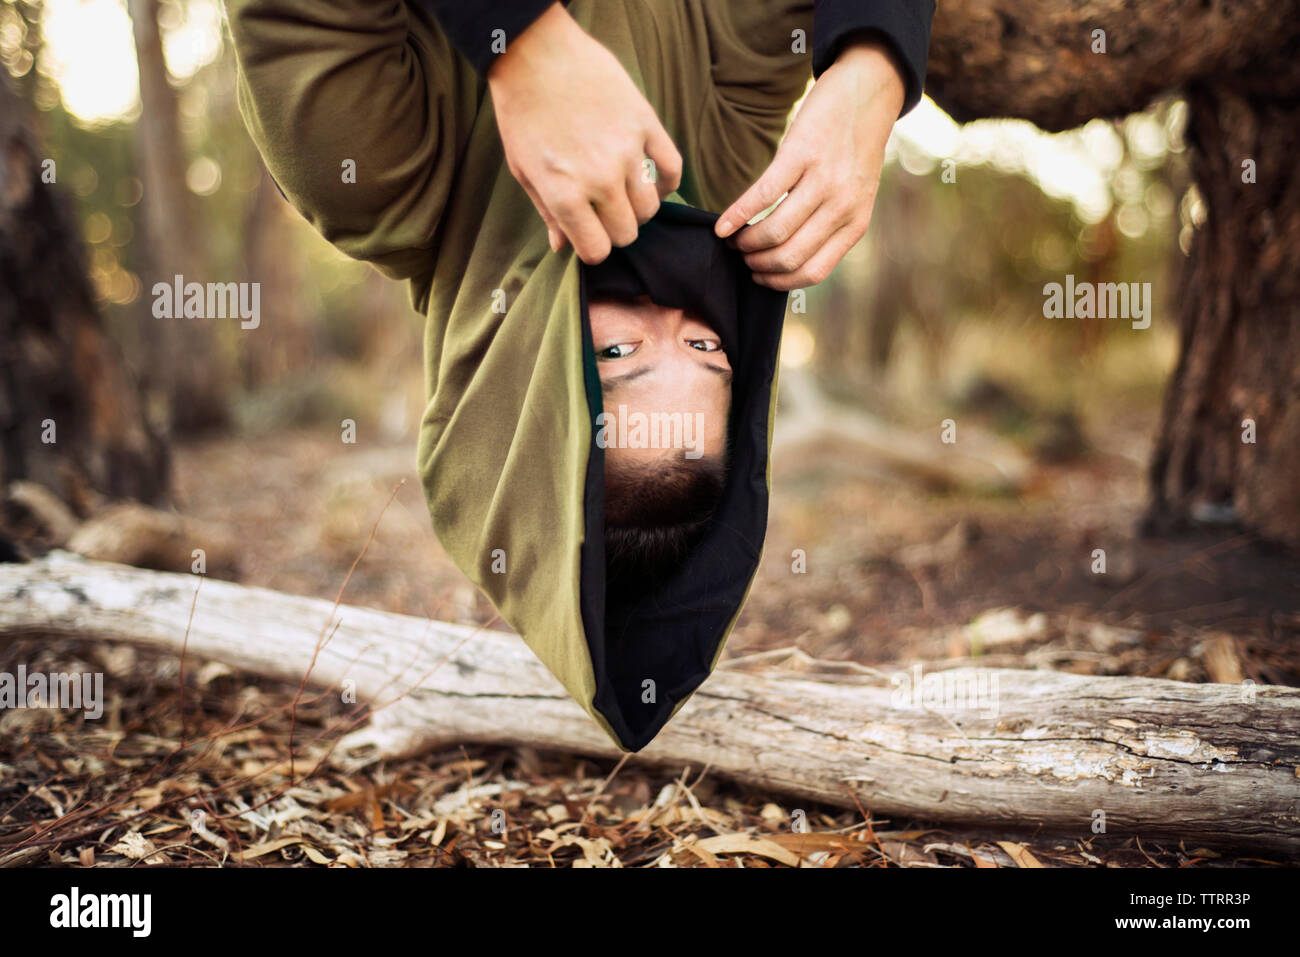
[{"x": 507, "y": 454}]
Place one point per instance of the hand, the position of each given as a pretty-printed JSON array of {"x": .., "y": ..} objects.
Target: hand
[
  {"x": 829, "y": 163},
  {"x": 577, "y": 133}
]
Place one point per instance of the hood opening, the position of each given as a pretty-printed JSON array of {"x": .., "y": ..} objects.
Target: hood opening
[{"x": 652, "y": 644}]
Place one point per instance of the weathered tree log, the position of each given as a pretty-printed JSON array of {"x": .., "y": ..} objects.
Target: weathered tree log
[
  {"x": 1029, "y": 749},
  {"x": 983, "y": 462}
]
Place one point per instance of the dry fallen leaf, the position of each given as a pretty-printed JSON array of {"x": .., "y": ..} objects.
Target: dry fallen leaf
[
  {"x": 595, "y": 853},
  {"x": 813, "y": 842},
  {"x": 257, "y": 850},
  {"x": 748, "y": 844},
  {"x": 982, "y": 861},
  {"x": 136, "y": 846},
  {"x": 1223, "y": 660},
  {"x": 675, "y": 814},
  {"x": 1019, "y": 854},
  {"x": 693, "y": 847},
  {"x": 905, "y": 853},
  {"x": 315, "y": 856}
]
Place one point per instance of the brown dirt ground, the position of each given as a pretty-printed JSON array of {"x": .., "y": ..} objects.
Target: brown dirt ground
[{"x": 894, "y": 574}]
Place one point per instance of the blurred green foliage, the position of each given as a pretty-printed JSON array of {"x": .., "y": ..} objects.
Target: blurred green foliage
[{"x": 942, "y": 299}]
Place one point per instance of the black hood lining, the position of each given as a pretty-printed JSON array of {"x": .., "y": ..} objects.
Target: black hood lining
[{"x": 670, "y": 634}]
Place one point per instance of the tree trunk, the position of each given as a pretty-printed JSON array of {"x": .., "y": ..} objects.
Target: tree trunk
[
  {"x": 70, "y": 418},
  {"x": 187, "y": 366},
  {"x": 1238, "y": 66},
  {"x": 1212, "y": 763},
  {"x": 1229, "y": 440},
  {"x": 289, "y": 333}
]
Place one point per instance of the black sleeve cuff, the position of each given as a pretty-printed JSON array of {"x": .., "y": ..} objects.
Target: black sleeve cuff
[
  {"x": 472, "y": 25},
  {"x": 903, "y": 24}
]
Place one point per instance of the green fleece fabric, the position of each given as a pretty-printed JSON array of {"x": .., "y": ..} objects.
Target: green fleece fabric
[{"x": 506, "y": 434}]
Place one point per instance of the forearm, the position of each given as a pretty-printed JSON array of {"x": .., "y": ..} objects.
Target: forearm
[{"x": 356, "y": 124}]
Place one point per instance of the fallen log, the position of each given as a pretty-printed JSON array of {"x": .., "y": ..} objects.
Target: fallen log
[
  {"x": 1211, "y": 763},
  {"x": 983, "y": 463}
]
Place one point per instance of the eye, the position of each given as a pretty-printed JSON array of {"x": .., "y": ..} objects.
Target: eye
[
  {"x": 704, "y": 345},
  {"x": 619, "y": 350}
]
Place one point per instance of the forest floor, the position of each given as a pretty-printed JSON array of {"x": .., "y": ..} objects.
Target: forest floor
[{"x": 892, "y": 574}]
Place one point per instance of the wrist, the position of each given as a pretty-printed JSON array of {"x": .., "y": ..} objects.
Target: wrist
[
  {"x": 525, "y": 53},
  {"x": 874, "y": 65}
]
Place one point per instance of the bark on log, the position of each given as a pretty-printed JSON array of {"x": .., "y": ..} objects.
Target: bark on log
[{"x": 1214, "y": 764}]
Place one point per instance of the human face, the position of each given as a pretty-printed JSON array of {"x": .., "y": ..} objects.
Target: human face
[{"x": 653, "y": 359}]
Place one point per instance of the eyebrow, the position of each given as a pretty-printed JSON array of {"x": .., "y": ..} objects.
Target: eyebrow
[{"x": 615, "y": 382}]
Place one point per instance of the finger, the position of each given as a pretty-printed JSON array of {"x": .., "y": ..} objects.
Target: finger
[
  {"x": 807, "y": 240},
  {"x": 554, "y": 235},
  {"x": 617, "y": 216},
  {"x": 643, "y": 193},
  {"x": 667, "y": 161},
  {"x": 577, "y": 220},
  {"x": 777, "y": 179},
  {"x": 784, "y": 221},
  {"x": 816, "y": 269}
]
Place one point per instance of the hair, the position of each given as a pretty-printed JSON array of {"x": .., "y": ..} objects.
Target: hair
[{"x": 656, "y": 512}]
